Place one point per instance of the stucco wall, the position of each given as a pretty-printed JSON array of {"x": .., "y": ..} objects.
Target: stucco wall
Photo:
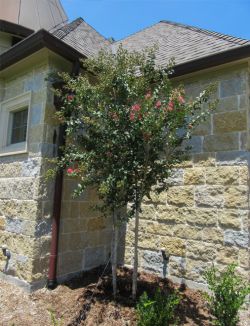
[
  {"x": 25, "y": 196},
  {"x": 204, "y": 216}
]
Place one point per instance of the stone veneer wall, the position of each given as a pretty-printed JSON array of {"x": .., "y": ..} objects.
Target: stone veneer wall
[
  {"x": 25, "y": 197},
  {"x": 85, "y": 235},
  {"x": 204, "y": 216}
]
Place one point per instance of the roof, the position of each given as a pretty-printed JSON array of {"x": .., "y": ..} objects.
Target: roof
[
  {"x": 193, "y": 48},
  {"x": 182, "y": 42},
  {"x": 34, "y": 14},
  {"x": 82, "y": 37}
]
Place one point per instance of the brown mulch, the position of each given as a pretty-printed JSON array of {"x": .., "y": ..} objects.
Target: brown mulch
[{"x": 85, "y": 301}]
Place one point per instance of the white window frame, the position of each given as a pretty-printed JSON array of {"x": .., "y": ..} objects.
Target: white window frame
[{"x": 6, "y": 109}]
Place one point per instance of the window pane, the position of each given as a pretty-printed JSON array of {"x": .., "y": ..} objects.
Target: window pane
[{"x": 19, "y": 126}]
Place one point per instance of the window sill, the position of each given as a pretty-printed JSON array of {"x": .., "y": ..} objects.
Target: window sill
[{"x": 14, "y": 150}]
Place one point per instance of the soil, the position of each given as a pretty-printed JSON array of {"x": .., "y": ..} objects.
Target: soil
[{"x": 87, "y": 300}]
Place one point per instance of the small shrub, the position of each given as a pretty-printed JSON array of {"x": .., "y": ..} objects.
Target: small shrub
[
  {"x": 55, "y": 321},
  {"x": 160, "y": 311},
  {"x": 228, "y": 295}
]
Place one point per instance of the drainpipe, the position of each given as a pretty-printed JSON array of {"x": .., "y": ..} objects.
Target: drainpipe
[{"x": 52, "y": 281}]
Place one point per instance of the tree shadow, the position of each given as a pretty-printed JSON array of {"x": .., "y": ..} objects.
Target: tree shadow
[{"x": 191, "y": 310}]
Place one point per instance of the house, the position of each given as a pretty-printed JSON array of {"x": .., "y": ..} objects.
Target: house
[{"x": 204, "y": 216}]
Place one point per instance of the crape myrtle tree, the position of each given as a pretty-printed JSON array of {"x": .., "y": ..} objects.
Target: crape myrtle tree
[{"x": 126, "y": 127}]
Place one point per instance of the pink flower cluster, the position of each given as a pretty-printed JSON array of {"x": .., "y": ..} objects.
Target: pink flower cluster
[
  {"x": 134, "y": 112},
  {"x": 73, "y": 170}
]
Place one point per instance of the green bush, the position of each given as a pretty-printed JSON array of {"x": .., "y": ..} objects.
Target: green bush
[
  {"x": 160, "y": 311},
  {"x": 228, "y": 295}
]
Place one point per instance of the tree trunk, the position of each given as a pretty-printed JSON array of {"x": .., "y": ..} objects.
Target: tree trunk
[
  {"x": 114, "y": 252},
  {"x": 135, "y": 270}
]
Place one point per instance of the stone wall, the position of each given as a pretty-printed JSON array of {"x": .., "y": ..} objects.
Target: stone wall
[
  {"x": 25, "y": 196},
  {"x": 85, "y": 235},
  {"x": 204, "y": 216}
]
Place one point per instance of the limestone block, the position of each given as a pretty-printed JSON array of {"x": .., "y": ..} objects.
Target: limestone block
[
  {"x": 239, "y": 158},
  {"x": 224, "y": 175},
  {"x": 243, "y": 140},
  {"x": 229, "y": 103},
  {"x": 71, "y": 225},
  {"x": 36, "y": 112},
  {"x": 31, "y": 167},
  {"x": 152, "y": 261},
  {"x": 176, "y": 178},
  {"x": 195, "y": 269},
  {"x": 96, "y": 224},
  {"x": 2, "y": 223},
  {"x": 10, "y": 169},
  {"x": 244, "y": 258},
  {"x": 21, "y": 188},
  {"x": 173, "y": 246},
  {"x": 77, "y": 241},
  {"x": 70, "y": 262},
  {"x": 195, "y": 143},
  {"x": 177, "y": 266},
  {"x": 40, "y": 268},
  {"x": 221, "y": 142},
  {"x": 148, "y": 241},
  {"x": 229, "y": 219},
  {"x": 41, "y": 246},
  {"x": 19, "y": 226},
  {"x": 204, "y": 159},
  {"x": 243, "y": 101},
  {"x": 181, "y": 196},
  {"x": 194, "y": 176},
  {"x": 200, "y": 216},
  {"x": 243, "y": 175},
  {"x": 158, "y": 228},
  {"x": 227, "y": 255},
  {"x": 209, "y": 196},
  {"x": 19, "y": 208},
  {"x": 213, "y": 235},
  {"x": 236, "y": 197},
  {"x": 37, "y": 133},
  {"x": 148, "y": 212},
  {"x": 170, "y": 215},
  {"x": 18, "y": 243},
  {"x": 75, "y": 209},
  {"x": 201, "y": 250},
  {"x": 202, "y": 129},
  {"x": 230, "y": 121},
  {"x": 94, "y": 257},
  {"x": 236, "y": 238},
  {"x": 64, "y": 243},
  {"x": 87, "y": 210},
  {"x": 187, "y": 232},
  {"x": 233, "y": 86}
]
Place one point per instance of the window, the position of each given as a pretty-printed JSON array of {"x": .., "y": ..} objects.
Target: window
[
  {"x": 14, "y": 125},
  {"x": 19, "y": 126}
]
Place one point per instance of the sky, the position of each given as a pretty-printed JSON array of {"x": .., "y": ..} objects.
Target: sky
[{"x": 119, "y": 18}]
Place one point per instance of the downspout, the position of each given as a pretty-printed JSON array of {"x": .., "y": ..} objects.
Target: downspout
[{"x": 57, "y": 201}]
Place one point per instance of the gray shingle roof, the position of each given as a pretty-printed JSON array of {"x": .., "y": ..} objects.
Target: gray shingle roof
[
  {"x": 82, "y": 37},
  {"x": 181, "y": 42}
]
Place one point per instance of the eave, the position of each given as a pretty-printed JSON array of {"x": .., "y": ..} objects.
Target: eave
[
  {"x": 14, "y": 29},
  {"x": 34, "y": 43},
  {"x": 210, "y": 61}
]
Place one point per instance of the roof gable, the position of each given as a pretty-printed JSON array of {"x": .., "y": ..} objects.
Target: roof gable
[
  {"x": 182, "y": 42},
  {"x": 83, "y": 37}
]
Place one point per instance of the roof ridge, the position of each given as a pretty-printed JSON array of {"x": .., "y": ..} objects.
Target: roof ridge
[
  {"x": 68, "y": 28},
  {"x": 106, "y": 39},
  {"x": 227, "y": 37}
]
